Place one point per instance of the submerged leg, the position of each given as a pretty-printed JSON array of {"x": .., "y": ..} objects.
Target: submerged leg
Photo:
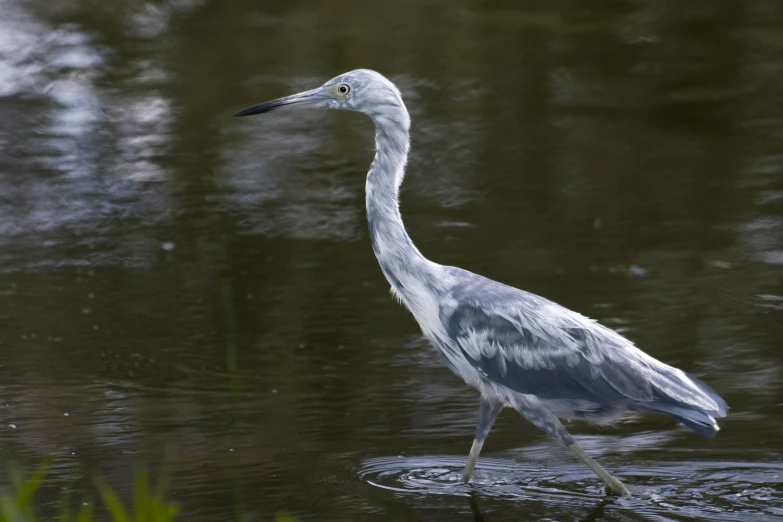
[
  {"x": 547, "y": 421},
  {"x": 488, "y": 412}
]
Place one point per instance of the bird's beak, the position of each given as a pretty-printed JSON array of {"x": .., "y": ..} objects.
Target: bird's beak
[{"x": 314, "y": 98}]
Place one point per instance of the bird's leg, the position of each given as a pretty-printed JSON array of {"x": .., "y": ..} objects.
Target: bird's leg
[
  {"x": 488, "y": 412},
  {"x": 548, "y": 421},
  {"x": 614, "y": 485}
]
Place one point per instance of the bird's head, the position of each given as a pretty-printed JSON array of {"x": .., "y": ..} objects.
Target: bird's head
[{"x": 361, "y": 90}]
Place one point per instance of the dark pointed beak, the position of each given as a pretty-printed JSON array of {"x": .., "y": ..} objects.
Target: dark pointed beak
[{"x": 314, "y": 98}]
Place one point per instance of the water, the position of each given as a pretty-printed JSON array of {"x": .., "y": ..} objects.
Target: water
[{"x": 181, "y": 287}]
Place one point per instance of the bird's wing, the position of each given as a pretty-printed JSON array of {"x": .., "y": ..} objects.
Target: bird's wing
[
  {"x": 534, "y": 346},
  {"x": 543, "y": 357}
]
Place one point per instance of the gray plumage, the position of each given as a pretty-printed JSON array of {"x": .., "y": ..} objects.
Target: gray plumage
[{"x": 518, "y": 349}]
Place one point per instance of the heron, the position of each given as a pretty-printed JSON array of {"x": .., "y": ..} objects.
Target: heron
[{"x": 519, "y": 350}]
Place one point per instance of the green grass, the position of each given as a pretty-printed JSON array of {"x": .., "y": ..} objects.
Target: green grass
[
  {"x": 17, "y": 502},
  {"x": 149, "y": 505}
]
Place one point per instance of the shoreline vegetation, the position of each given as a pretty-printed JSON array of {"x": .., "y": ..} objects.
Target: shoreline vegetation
[{"x": 148, "y": 503}]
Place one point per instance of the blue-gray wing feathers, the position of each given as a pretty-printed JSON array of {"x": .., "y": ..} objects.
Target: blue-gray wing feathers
[{"x": 533, "y": 346}]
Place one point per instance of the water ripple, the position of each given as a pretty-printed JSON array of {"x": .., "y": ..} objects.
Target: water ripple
[{"x": 677, "y": 490}]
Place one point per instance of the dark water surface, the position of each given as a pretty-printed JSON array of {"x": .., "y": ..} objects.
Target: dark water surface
[{"x": 180, "y": 285}]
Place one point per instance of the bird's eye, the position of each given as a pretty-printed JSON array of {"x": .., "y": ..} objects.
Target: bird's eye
[{"x": 343, "y": 88}]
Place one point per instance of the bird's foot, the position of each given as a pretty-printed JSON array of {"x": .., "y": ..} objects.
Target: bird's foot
[{"x": 615, "y": 487}]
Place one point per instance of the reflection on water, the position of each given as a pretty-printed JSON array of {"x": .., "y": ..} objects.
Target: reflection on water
[
  {"x": 728, "y": 490},
  {"x": 179, "y": 283}
]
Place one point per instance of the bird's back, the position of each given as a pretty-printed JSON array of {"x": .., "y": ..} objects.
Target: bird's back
[{"x": 499, "y": 338}]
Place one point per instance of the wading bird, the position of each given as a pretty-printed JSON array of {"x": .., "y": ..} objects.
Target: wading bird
[{"x": 518, "y": 349}]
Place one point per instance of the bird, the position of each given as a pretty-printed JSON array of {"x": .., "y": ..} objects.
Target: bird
[{"x": 519, "y": 350}]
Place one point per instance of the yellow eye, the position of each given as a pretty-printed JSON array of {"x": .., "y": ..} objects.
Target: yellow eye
[{"x": 343, "y": 88}]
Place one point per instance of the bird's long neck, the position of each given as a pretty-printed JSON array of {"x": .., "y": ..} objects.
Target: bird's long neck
[{"x": 401, "y": 262}]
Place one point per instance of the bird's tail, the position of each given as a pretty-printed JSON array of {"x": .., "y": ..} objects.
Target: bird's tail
[{"x": 690, "y": 401}]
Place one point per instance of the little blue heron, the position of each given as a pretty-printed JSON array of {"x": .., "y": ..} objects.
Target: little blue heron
[{"x": 517, "y": 349}]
